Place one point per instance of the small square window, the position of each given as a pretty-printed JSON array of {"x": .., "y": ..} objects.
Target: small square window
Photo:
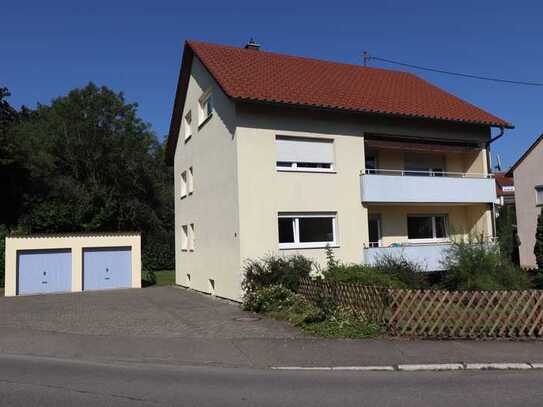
[
  {"x": 184, "y": 238},
  {"x": 190, "y": 181},
  {"x": 206, "y": 107},
  {"x": 187, "y": 125},
  {"x": 191, "y": 237},
  {"x": 539, "y": 195},
  {"x": 183, "y": 184}
]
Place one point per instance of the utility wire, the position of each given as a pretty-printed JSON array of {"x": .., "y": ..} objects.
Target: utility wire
[{"x": 464, "y": 75}]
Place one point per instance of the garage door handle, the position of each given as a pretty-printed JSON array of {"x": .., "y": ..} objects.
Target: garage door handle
[
  {"x": 107, "y": 278},
  {"x": 44, "y": 282}
]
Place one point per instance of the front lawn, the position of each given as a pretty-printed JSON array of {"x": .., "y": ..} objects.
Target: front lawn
[
  {"x": 165, "y": 277},
  {"x": 1, "y": 291},
  {"x": 161, "y": 278}
]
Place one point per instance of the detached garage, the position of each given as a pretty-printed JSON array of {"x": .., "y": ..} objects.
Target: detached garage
[{"x": 42, "y": 264}]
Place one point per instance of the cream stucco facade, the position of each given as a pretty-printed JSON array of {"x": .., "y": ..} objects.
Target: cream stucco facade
[
  {"x": 76, "y": 243},
  {"x": 528, "y": 175},
  {"x": 239, "y": 192}
]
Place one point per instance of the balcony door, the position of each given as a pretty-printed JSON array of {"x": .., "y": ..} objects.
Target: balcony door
[{"x": 374, "y": 223}]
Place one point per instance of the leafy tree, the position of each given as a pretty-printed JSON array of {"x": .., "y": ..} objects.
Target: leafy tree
[
  {"x": 507, "y": 237},
  {"x": 12, "y": 174},
  {"x": 538, "y": 249},
  {"x": 94, "y": 165}
]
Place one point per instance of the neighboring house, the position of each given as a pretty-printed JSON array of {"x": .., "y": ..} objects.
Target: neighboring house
[
  {"x": 281, "y": 154},
  {"x": 528, "y": 175},
  {"x": 505, "y": 189}
]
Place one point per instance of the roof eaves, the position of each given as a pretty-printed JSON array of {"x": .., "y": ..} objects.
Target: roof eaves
[
  {"x": 526, "y": 153},
  {"x": 505, "y": 125}
]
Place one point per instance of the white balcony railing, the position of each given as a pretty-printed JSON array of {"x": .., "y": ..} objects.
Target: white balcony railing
[
  {"x": 429, "y": 255},
  {"x": 405, "y": 186}
]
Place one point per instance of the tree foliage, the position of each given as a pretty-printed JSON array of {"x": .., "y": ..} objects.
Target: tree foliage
[
  {"x": 507, "y": 236},
  {"x": 88, "y": 163}
]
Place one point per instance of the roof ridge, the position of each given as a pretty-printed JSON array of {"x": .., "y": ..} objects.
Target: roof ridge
[{"x": 279, "y": 54}]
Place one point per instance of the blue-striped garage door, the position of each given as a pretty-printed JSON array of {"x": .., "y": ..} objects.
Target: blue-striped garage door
[
  {"x": 106, "y": 268},
  {"x": 44, "y": 271}
]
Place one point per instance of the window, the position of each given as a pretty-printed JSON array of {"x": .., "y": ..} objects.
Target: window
[
  {"x": 190, "y": 181},
  {"x": 302, "y": 154},
  {"x": 187, "y": 125},
  {"x": 425, "y": 227},
  {"x": 206, "y": 107},
  {"x": 424, "y": 164},
  {"x": 191, "y": 237},
  {"x": 307, "y": 230},
  {"x": 539, "y": 195},
  {"x": 184, "y": 238},
  {"x": 183, "y": 184}
]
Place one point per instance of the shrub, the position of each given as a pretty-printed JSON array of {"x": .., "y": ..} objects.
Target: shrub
[
  {"x": 267, "y": 299},
  {"x": 407, "y": 272},
  {"x": 388, "y": 271},
  {"x": 286, "y": 271},
  {"x": 362, "y": 274},
  {"x": 344, "y": 323},
  {"x": 477, "y": 265},
  {"x": 158, "y": 252}
]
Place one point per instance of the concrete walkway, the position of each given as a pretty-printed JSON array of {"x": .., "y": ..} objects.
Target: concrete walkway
[{"x": 170, "y": 325}]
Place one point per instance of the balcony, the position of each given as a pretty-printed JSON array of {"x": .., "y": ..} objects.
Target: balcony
[
  {"x": 402, "y": 186},
  {"x": 429, "y": 256}
]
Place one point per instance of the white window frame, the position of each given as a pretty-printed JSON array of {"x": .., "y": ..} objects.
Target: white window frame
[
  {"x": 183, "y": 184},
  {"x": 204, "y": 100},
  {"x": 433, "y": 239},
  {"x": 191, "y": 238},
  {"x": 538, "y": 188},
  {"x": 187, "y": 124},
  {"x": 296, "y": 230},
  {"x": 293, "y": 167},
  {"x": 184, "y": 238},
  {"x": 190, "y": 181}
]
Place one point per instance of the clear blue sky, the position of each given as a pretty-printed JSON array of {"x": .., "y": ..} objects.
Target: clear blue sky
[{"x": 50, "y": 47}]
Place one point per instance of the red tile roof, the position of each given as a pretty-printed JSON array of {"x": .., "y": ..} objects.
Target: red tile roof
[
  {"x": 266, "y": 76},
  {"x": 251, "y": 75},
  {"x": 503, "y": 180}
]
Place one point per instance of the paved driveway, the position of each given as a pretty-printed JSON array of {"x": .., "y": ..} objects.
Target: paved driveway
[{"x": 166, "y": 312}]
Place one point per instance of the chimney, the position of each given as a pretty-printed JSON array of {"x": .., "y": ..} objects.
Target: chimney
[{"x": 252, "y": 45}]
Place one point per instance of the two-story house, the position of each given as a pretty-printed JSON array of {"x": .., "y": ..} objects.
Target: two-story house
[
  {"x": 528, "y": 175},
  {"x": 282, "y": 154}
]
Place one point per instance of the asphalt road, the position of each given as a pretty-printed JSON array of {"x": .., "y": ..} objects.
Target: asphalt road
[{"x": 36, "y": 381}]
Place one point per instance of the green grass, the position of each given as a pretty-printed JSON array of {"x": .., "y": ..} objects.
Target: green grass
[
  {"x": 165, "y": 277},
  {"x": 1, "y": 292}
]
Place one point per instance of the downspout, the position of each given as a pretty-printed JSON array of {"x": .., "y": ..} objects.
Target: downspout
[{"x": 487, "y": 147}]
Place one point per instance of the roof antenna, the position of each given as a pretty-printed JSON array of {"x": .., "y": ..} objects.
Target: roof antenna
[
  {"x": 366, "y": 57},
  {"x": 498, "y": 162}
]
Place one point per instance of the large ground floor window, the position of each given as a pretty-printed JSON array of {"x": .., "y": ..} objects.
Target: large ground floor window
[
  {"x": 427, "y": 227},
  {"x": 308, "y": 230}
]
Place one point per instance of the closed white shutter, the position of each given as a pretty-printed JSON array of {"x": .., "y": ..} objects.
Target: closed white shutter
[{"x": 304, "y": 150}]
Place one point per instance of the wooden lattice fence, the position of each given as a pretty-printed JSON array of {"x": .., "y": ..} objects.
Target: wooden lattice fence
[
  {"x": 369, "y": 302},
  {"x": 466, "y": 314},
  {"x": 438, "y": 313}
]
